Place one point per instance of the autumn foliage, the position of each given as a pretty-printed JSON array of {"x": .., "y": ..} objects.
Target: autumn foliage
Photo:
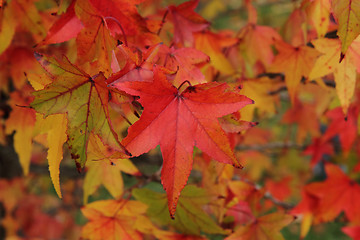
[{"x": 175, "y": 128}]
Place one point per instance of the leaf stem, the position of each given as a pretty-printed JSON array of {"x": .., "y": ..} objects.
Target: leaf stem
[
  {"x": 186, "y": 81},
  {"x": 120, "y": 26},
  {"x": 162, "y": 22}
]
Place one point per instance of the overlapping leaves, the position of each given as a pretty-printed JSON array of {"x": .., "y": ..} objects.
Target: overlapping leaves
[{"x": 85, "y": 101}]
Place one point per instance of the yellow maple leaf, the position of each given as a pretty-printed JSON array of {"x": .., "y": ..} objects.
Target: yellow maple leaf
[
  {"x": 344, "y": 72},
  {"x": 55, "y": 127},
  {"x": 104, "y": 168},
  {"x": 347, "y": 14},
  {"x": 22, "y": 121}
]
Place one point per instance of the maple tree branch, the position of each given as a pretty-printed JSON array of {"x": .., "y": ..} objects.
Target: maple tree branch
[
  {"x": 286, "y": 206},
  {"x": 327, "y": 82},
  {"x": 273, "y": 145}
]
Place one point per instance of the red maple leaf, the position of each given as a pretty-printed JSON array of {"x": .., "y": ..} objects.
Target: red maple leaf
[
  {"x": 66, "y": 27},
  {"x": 186, "y": 22},
  {"x": 179, "y": 120},
  {"x": 353, "y": 231},
  {"x": 345, "y": 127},
  {"x": 317, "y": 149},
  {"x": 337, "y": 193}
]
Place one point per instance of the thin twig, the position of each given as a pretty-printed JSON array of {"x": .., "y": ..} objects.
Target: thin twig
[
  {"x": 273, "y": 145},
  {"x": 286, "y": 206},
  {"x": 120, "y": 26}
]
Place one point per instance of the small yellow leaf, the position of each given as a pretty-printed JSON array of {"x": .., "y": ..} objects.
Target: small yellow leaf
[
  {"x": 22, "y": 121},
  {"x": 318, "y": 14},
  {"x": 212, "y": 44},
  {"x": 56, "y": 139},
  {"x": 7, "y": 29},
  {"x": 104, "y": 168},
  {"x": 55, "y": 127}
]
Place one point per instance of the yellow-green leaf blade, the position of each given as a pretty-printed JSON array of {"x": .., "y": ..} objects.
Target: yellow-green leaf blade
[
  {"x": 85, "y": 101},
  {"x": 347, "y": 13}
]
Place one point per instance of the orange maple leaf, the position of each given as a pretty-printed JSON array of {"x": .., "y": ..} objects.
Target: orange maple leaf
[
  {"x": 337, "y": 193},
  {"x": 94, "y": 42},
  {"x": 110, "y": 219},
  {"x": 255, "y": 41},
  {"x": 178, "y": 121},
  {"x": 186, "y": 22},
  {"x": 213, "y": 44},
  {"x": 295, "y": 63},
  {"x": 22, "y": 121}
]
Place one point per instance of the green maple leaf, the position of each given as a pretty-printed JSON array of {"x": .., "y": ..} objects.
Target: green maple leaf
[{"x": 84, "y": 99}]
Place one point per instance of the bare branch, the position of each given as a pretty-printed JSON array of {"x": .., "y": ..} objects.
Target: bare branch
[{"x": 268, "y": 146}]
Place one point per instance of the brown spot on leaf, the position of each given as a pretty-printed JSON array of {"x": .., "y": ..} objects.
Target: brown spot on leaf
[
  {"x": 342, "y": 56},
  {"x": 191, "y": 89},
  {"x": 75, "y": 156},
  {"x": 78, "y": 166}
]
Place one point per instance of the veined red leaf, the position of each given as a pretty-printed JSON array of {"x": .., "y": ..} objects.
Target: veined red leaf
[
  {"x": 94, "y": 42},
  {"x": 186, "y": 22},
  {"x": 65, "y": 28},
  {"x": 336, "y": 194},
  {"x": 183, "y": 61},
  {"x": 178, "y": 121}
]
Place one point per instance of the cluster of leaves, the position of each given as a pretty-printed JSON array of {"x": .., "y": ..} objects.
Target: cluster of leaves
[
  {"x": 24, "y": 214},
  {"x": 104, "y": 82}
]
